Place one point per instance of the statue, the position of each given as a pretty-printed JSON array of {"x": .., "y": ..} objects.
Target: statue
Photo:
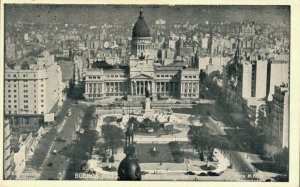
[{"x": 129, "y": 168}]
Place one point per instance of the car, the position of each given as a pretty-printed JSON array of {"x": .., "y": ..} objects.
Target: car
[
  {"x": 91, "y": 172},
  {"x": 202, "y": 174},
  {"x": 69, "y": 113},
  {"x": 58, "y": 139},
  {"x": 269, "y": 180},
  {"x": 144, "y": 172},
  {"x": 281, "y": 178},
  {"x": 190, "y": 173},
  {"x": 54, "y": 152},
  {"x": 50, "y": 164},
  {"x": 211, "y": 173}
]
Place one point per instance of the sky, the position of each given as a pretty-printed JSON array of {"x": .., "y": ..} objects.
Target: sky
[{"x": 95, "y": 14}]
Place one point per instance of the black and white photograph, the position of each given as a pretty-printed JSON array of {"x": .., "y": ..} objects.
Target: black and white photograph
[{"x": 147, "y": 92}]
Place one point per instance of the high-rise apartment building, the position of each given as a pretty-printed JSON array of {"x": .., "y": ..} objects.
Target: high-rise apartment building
[{"x": 32, "y": 90}]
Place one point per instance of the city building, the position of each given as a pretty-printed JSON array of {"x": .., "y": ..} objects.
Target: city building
[
  {"x": 32, "y": 91},
  {"x": 143, "y": 74},
  {"x": 276, "y": 118},
  {"x": 22, "y": 144},
  {"x": 8, "y": 155}
]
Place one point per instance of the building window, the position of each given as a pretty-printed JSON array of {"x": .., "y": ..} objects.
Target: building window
[
  {"x": 15, "y": 75},
  {"x": 42, "y": 85},
  {"x": 16, "y": 106},
  {"x": 8, "y": 75},
  {"x": 9, "y": 101},
  {"x": 15, "y": 91},
  {"x": 9, "y": 96},
  {"x": 42, "y": 90},
  {"x": 15, "y": 96},
  {"x": 9, "y": 106},
  {"x": 8, "y": 85},
  {"x": 25, "y": 85},
  {"x": 42, "y": 100},
  {"x": 25, "y": 96},
  {"x": 8, "y": 91},
  {"x": 25, "y": 91},
  {"x": 157, "y": 75},
  {"x": 185, "y": 77},
  {"x": 25, "y": 101},
  {"x": 15, "y": 86},
  {"x": 42, "y": 95},
  {"x": 42, "y": 105},
  {"x": 15, "y": 101},
  {"x": 25, "y": 106},
  {"x": 25, "y": 80}
]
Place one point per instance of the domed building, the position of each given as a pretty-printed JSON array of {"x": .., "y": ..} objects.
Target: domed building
[
  {"x": 141, "y": 38},
  {"x": 146, "y": 77}
]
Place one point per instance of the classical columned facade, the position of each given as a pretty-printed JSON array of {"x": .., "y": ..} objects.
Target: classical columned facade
[{"x": 140, "y": 87}]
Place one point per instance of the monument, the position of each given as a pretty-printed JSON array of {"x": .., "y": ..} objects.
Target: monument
[
  {"x": 129, "y": 168},
  {"x": 147, "y": 107}
]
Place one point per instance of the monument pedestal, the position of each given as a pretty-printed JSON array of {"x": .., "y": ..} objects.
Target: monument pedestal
[{"x": 147, "y": 109}]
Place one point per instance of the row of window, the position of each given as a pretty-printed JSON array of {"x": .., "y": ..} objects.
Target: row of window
[
  {"x": 25, "y": 101},
  {"x": 165, "y": 75},
  {"x": 25, "y": 96},
  {"x": 25, "y": 106},
  {"x": 108, "y": 76},
  {"x": 15, "y": 75},
  {"x": 23, "y": 80},
  {"x": 194, "y": 77},
  {"x": 189, "y": 90},
  {"x": 25, "y": 91},
  {"x": 10, "y": 112}
]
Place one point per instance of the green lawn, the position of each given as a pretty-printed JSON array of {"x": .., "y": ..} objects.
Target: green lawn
[{"x": 143, "y": 153}]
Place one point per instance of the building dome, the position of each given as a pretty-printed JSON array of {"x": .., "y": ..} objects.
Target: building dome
[{"x": 141, "y": 28}]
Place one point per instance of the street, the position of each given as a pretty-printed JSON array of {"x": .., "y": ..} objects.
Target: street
[
  {"x": 237, "y": 159},
  {"x": 59, "y": 160}
]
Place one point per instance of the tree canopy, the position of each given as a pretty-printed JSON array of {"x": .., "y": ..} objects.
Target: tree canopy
[{"x": 113, "y": 137}]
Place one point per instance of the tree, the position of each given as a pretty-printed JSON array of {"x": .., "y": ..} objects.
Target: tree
[
  {"x": 204, "y": 119},
  {"x": 282, "y": 160},
  {"x": 271, "y": 150},
  {"x": 200, "y": 138},
  {"x": 113, "y": 137}
]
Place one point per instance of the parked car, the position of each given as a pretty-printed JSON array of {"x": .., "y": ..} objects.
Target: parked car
[
  {"x": 281, "y": 178},
  {"x": 211, "y": 173},
  {"x": 58, "y": 139},
  {"x": 50, "y": 164},
  {"x": 54, "y": 152},
  {"x": 190, "y": 173},
  {"x": 69, "y": 113},
  {"x": 202, "y": 174}
]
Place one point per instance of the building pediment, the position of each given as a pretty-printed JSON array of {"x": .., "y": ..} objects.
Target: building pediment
[{"x": 141, "y": 76}]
